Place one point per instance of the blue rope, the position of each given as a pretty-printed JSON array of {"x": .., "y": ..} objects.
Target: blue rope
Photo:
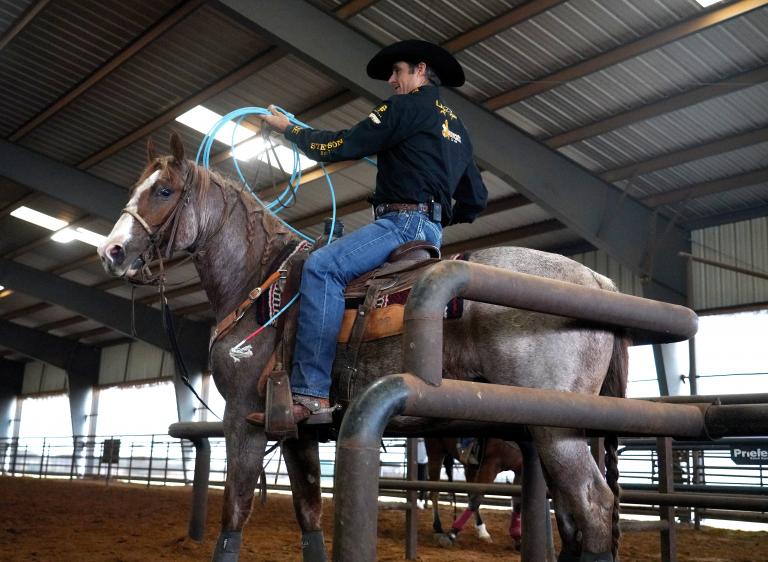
[{"x": 280, "y": 202}]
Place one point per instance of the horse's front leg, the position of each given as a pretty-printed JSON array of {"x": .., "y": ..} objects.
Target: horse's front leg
[
  {"x": 302, "y": 459},
  {"x": 245, "y": 454}
]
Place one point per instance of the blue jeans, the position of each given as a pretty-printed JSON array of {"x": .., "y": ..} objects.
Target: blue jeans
[{"x": 326, "y": 273}]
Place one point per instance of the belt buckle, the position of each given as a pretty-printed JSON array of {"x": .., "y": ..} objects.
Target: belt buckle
[{"x": 380, "y": 210}]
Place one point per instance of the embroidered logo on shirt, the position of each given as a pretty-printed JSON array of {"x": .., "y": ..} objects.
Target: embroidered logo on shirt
[
  {"x": 374, "y": 118},
  {"x": 326, "y": 148},
  {"x": 450, "y": 134},
  {"x": 296, "y": 130},
  {"x": 445, "y": 110}
]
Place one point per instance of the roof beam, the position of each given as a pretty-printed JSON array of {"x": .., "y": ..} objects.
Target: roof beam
[
  {"x": 707, "y": 188},
  {"x": 110, "y": 310},
  {"x": 93, "y": 195},
  {"x": 505, "y": 237},
  {"x": 20, "y": 202},
  {"x": 571, "y": 194},
  {"x": 499, "y": 23},
  {"x": 75, "y": 358},
  {"x": 728, "y": 218},
  {"x": 23, "y": 21},
  {"x": 688, "y": 155},
  {"x": 176, "y": 15},
  {"x": 352, "y": 8},
  {"x": 87, "y": 219},
  {"x": 241, "y": 73},
  {"x": 668, "y": 105},
  {"x": 630, "y": 50}
]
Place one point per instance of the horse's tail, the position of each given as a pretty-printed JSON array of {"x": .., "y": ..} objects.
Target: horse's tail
[{"x": 615, "y": 385}]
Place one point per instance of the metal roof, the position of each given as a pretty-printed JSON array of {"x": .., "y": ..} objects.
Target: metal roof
[{"x": 620, "y": 88}]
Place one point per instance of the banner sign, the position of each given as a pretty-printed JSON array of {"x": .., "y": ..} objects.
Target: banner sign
[{"x": 744, "y": 454}]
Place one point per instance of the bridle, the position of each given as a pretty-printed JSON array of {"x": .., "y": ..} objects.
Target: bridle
[{"x": 156, "y": 237}]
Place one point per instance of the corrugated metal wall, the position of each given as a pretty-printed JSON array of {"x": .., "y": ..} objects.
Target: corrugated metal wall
[
  {"x": 39, "y": 378},
  {"x": 132, "y": 362},
  {"x": 742, "y": 244},
  {"x": 599, "y": 261}
]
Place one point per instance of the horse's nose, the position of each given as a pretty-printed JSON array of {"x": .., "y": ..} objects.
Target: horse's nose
[{"x": 114, "y": 253}]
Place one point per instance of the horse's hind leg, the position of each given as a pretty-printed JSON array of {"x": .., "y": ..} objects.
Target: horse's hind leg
[
  {"x": 583, "y": 500},
  {"x": 302, "y": 459},
  {"x": 245, "y": 454}
]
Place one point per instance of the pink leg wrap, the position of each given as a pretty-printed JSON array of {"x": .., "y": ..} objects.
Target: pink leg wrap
[
  {"x": 461, "y": 521},
  {"x": 514, "y": 525}
]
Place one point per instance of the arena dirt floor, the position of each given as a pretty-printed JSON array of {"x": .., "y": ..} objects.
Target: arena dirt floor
[{"x": 63, "y": 521}]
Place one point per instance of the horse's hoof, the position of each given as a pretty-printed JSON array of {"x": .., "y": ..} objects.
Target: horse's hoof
[
  {"x": 518, "y": 541},
  {"x": 483, "y": 535},
  {"x": 444, "y": 540}
]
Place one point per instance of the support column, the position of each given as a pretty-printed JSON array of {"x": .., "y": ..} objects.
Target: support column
[
  {"x": 667, "y": 513},
  {"x": 534, "y": 545},
  {"x": 186, "y": 403},
  {"x": 411, "y": 514},
  {"x": 11, "y": 378}
]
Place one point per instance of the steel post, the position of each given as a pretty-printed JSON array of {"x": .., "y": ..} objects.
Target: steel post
[
  {"x": 200, "y": 489},
  {"x": 357, "y": 460},
  {"x": 411, "y": 513},
  {"x": 668, "y": 536},
  {"x": 533, "y": 546}
]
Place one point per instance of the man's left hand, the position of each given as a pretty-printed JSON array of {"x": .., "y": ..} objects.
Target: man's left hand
[{"x": 278, "y": 122}]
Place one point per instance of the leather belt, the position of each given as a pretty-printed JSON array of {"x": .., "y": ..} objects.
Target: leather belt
[{"x": 385, "y": 208}]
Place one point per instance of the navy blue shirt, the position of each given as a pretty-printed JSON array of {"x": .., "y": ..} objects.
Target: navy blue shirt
[{"x": 424, "y": 153}]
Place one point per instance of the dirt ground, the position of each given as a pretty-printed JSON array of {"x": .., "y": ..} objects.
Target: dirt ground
[{"x": 63, "y": 521}]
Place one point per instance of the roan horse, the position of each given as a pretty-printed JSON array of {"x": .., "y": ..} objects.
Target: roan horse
[
  {"x": 497, "y": 456},
  {"x": 233, "y": 238}
]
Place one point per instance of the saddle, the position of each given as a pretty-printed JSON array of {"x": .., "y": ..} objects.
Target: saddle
[{"x": 366, "y": 319}]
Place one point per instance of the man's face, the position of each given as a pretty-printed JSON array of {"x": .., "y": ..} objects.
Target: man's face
[{"x": 404, "y": 79}]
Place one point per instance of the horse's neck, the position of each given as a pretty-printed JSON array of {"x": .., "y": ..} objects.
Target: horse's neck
[{"x": 230, "y": 266}]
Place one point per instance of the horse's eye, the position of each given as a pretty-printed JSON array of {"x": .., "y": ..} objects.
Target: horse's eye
[{"x": 165, "y": 192}]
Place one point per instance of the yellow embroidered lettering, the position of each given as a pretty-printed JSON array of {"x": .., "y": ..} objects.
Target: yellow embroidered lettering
[{"x": 447, "y": 133}]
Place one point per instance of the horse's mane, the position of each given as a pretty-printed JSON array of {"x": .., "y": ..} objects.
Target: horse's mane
[{"x": 260, "y": 221}]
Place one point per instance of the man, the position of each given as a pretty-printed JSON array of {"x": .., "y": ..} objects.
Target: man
[{"x": 424, "y": 160}]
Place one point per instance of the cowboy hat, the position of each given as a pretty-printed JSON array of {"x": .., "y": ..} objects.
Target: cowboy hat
[{"x": 415, "y": 51}]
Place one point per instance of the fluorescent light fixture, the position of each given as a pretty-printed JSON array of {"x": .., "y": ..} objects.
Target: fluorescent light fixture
[
  {"x": 63, "y": 235},
  {"x": 707, "y": 3},
  {"x": 1, "y": 287},
  {"x": 38, "y": 218},
  {"x": 68, "y": 234},
  {"x": 203, "y": 119}
]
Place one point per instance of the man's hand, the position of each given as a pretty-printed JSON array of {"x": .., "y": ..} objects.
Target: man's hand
[{"x": 278, "y": 122}]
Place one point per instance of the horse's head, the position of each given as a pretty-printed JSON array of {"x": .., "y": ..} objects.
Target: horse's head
[{"x": 156, "y": 215}]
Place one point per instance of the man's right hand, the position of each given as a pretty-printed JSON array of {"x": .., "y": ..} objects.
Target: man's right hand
[{"x": 278, "y": 122}]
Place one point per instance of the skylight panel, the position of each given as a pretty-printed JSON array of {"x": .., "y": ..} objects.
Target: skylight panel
[
  {"x": 203, "y": 119},
  {"x": 38, "y": 218},
  {"x": 63, "y": 234},
  {"x": 707, "y": 3}
]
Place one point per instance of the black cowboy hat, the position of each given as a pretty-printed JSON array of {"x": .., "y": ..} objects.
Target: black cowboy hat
[{"x": 415, "y": 51}]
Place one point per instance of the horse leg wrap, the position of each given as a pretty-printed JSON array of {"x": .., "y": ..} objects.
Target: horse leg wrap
[
  {"x": 515, "y": 527},
  {"x": 598, "y": 557},
  {"x": 227, "y": 547},
  {"x": 313, "y": 547},
  {"x": 461, "y": 521}
]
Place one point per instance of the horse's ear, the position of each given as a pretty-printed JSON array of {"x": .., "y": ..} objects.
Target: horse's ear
[
  {"x": 177, "y": 146},
  {"x": 151, "y": 155}
]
